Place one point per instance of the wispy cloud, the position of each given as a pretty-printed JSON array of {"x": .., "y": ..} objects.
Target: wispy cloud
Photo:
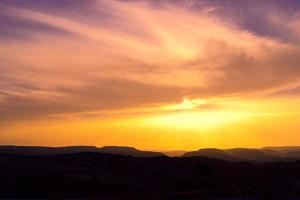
[{"x": 102, "y": 55}]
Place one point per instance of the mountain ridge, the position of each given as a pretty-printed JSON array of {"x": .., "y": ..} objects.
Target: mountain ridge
[
  {"x": 44, "y": 150},
  {"x": 264, "y": 154}
]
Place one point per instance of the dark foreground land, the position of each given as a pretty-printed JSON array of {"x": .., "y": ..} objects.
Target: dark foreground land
[{"x": 105, "y": 176}]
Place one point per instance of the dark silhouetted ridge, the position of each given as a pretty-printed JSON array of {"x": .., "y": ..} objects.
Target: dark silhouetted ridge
[
  {"x": 266, "y": 154},
  {"x": 90, "y": 175},
  {"x": 128, "y": 151},
  {"x": 211, "y": 153},
  {"x": 283, "y": 149},
  {"x": 246, "y": 154},
  {"x": 40, "y": 150},
  {"x": 251, "y": 154},
  {"x": 292, "y": 154}
]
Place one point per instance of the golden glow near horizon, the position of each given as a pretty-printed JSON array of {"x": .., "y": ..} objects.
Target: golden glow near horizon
[
  {"x": 150, "y": 74},
  {"x": 188, "y": 128},
  {"x": 188, "y": 115}
]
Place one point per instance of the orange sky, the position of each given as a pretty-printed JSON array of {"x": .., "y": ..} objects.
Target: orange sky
[{"x": 162, "y": 76}]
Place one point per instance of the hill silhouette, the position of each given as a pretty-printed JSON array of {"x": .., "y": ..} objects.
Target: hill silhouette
[
  {"x": 266, "y": 154},
  {"x": 271, "y": 152},
  {"x": 128, "y": 151},
  {"x": 40, "y": 150},
  {"x": 94, "y": 175},
  {"x": 251, "y": 154},
  {"x": 235, "y": 154},
  {"x": 283, "y": 149},
  {"x": 292, "y": 154},
  {"x": 211, "y": 153}
]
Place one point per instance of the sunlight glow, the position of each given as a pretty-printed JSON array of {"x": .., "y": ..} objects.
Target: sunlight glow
[
  {"x": 197, "y": 120},
  {"x": 187, "y": 104}
]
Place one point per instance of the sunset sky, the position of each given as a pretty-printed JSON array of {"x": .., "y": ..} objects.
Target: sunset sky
[{"x": 153, "y": 74}]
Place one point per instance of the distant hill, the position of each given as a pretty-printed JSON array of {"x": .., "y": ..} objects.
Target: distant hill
[
  {"x": 252, "y": 154},
  {"x": 40, "y": 150},
  {"x": 239, "y": 154},
  {"x": 128, "y": 151},
  {"x": 271, "y": 152},
  {"x": 211, "y": 153},
  {"x": 174, "y": 153},
  {"x": 292, "y": 154},
  {"x": 283, "y": 149},
  {"x": 266, "y": 154}
]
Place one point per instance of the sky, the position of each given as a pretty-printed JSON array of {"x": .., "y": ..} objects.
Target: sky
[{"x": 153, "y": 74}]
